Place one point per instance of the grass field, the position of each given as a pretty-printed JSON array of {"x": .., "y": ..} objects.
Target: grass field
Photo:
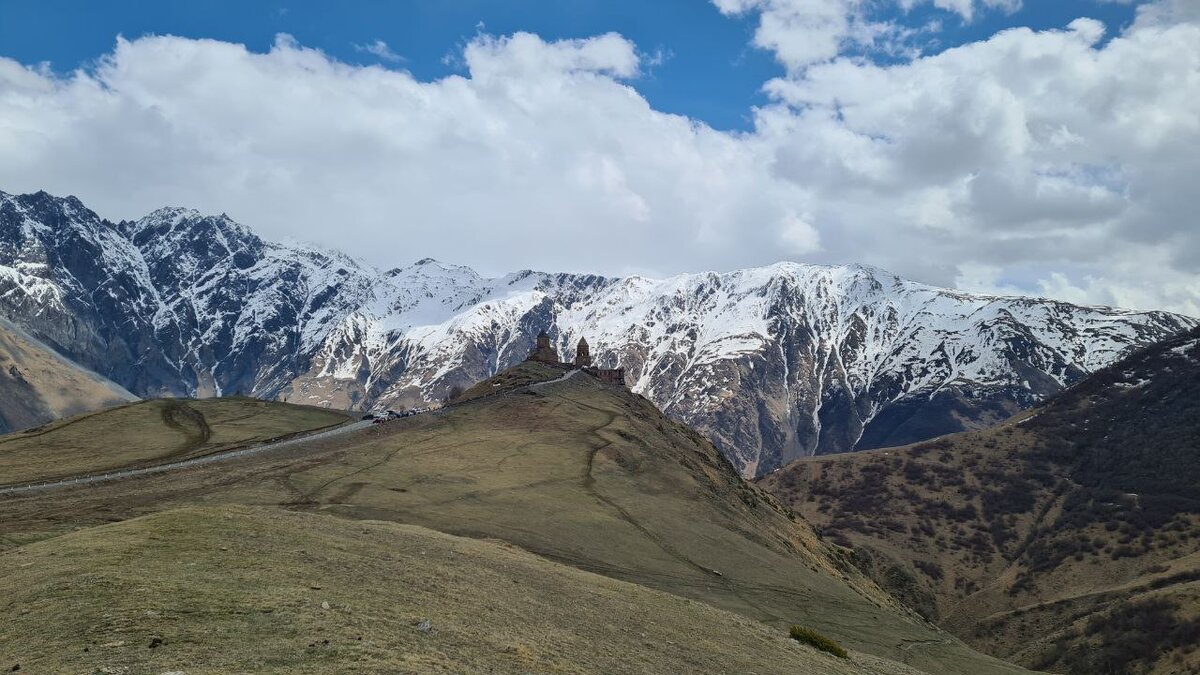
[
  {"x": 150, "y": 431},
  {"x": 528, "y": 373},
  {"x": 582, "y": 474},
  {"x": 236, "y": 589}
]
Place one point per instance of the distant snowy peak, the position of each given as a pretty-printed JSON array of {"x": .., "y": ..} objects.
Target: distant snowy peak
[{"x": 772, "y": 363}]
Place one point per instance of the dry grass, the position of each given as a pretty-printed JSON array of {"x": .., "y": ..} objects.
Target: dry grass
[
  {"x": 579, "y": 473},
  {"x": 526, "y": 374},
  {"x": 150, "y": 431},
  {"x": 814, "y": 639},
  {"x": 264, "y": 590}
]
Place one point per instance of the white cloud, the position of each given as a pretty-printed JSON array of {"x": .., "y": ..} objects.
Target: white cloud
[
  {"x": 527, "y": 54},
  {"x": 800, "y": 32},
  {"x": 798, "y": 236},
  {"x": 539, "y": 156},
  {"x": 1031, "y": 148},
  {"x": 966, "y": 8},
  {"x": 380, "y": 49},
  {"x": 805, "y": 32},
  {"x": 1038, "y": 162},
  {"x": 1167, "y": 12}
]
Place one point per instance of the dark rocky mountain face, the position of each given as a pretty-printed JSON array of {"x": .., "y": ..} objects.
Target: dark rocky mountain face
[
  {"x": 175, "y": 304},
  {"x": 772, "y": 363},
  {"x": 77, "y": 283},
  {"x": 38, "y": 385},
  {"x": 249, "y": 310}
]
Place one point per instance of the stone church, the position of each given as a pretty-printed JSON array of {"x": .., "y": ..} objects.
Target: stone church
[{"x": 544, "y": 352}]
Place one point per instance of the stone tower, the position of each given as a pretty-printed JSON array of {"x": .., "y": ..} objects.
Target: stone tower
[
  {"x": 543, "y": 351},
  {"x": 583, "y": 356}
]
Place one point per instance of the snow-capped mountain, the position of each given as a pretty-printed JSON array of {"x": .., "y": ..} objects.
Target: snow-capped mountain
[{"x": 772, "y": 363}]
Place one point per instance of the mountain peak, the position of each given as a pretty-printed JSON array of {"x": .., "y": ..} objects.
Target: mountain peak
[
  {"x": 429, "y": 268},
  {"x": 169, "y": 218},
  {"x": 172, "y": 213},
  {"x": 43, "y": 210}
]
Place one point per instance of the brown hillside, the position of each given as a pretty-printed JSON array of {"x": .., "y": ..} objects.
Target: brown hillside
[{"x": 1066, "y": 539}]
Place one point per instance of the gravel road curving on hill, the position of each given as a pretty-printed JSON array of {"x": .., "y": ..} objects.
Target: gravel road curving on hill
[
  {"x": 90, "y": 479},
  {"x": 539, "y": 385}
]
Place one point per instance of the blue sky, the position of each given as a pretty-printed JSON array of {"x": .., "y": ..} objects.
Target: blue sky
[{"x": 709, "y": 70}]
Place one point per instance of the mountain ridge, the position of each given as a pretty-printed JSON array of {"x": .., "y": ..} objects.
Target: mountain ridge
[{"x": 771, "y": 363}]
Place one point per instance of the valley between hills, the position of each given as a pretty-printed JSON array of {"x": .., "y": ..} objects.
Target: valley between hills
[{"x": 771, "y": 364}]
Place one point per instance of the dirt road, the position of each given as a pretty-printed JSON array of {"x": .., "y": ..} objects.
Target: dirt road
[{"x": 89, "y": 479}]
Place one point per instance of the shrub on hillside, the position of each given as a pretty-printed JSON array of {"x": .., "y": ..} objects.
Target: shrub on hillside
[
  {"x": 1012, "y": 497},
  {"x": 1132, "y": 638},
  {"x": 930, "y": 568},
  {"x": 812, "y": 638}
]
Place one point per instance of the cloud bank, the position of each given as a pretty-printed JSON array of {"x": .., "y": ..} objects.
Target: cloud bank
[{"x": 1048, "y": 162}]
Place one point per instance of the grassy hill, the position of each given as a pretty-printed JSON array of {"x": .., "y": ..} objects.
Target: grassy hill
[
  {"x": 239, "y": 589},
  {"x": 1066, "y": 539},
  {"x": 148, "y": 432},
  {"x": 37, "y": 385},
  {"x": 583, "y": 475}
]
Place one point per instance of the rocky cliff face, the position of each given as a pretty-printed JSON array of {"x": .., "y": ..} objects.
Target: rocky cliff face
[
  {"x": 772, "y": 363},
  {"x": 38, "y": 385}
]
